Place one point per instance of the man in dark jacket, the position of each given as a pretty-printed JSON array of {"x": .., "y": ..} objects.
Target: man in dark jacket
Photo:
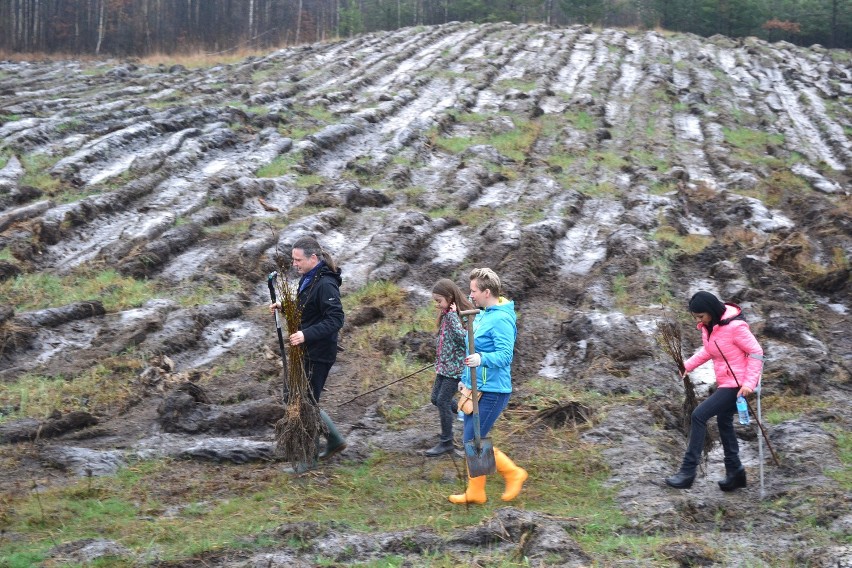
[{"x": 322, "y": 317}]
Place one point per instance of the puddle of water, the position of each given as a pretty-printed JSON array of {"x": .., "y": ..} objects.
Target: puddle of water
[
  {"x": 112, "y": 170},
  {"x": 584, "y": 244},
  {"x": 552, "y": 367},
  {"x": 688, "y": 127},
  {"x": 765, "y": 220},
  {"x": 498, "y": 195},
  {"x": 449, "y": 247},
  {"x": 218, "y": 338}
]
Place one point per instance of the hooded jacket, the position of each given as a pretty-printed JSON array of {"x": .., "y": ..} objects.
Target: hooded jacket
[
  {"x": 494, "y": 333},
  {"x": 740, "y": 347},
  {"x": 322, "y": 314}
]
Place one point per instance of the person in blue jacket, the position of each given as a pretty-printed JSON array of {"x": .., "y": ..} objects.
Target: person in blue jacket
[
  {"x": 318, "y": 298},
  {"x": 494, "y": 332}
]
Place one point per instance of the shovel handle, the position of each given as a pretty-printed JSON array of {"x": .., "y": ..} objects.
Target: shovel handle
[
  {"x": 270, "y": 281},
  {"x": 477, "y": 436}
]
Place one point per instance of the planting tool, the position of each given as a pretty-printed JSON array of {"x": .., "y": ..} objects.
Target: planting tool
[
  {"x": 478, "y": 452},
  {"x": 270, "y": 280}
]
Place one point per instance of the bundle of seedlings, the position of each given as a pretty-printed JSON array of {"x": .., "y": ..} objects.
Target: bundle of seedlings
[
  {"x": 669, "y": 338},
  {"x": 297, "y": 432}
]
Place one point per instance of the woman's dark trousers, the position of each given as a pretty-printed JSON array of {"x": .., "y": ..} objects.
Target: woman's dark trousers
[{"x": 723, "y": 405}]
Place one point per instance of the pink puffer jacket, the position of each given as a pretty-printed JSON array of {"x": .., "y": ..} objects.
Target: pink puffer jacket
[{"x": 739, "y": 346}]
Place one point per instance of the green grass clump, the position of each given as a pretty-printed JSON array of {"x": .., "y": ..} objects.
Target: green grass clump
[
  {"x": 29, "y": 292},
  {"x": 36, "y": 172},
  {"x": 690, "y": 244},
  {"x": 218, "y": 507},
  {"x": 843, "y": 476},
  {"x": 105, "y": 387},
  {"x": 514, "y": 144}
]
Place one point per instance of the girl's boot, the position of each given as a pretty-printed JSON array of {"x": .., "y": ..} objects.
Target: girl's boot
[
  {"x": 514, "y": 475},
  {"x": 475, "y": 492}
]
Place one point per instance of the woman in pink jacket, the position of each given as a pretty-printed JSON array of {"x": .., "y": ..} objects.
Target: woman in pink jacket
[{"x": 723, "y": 331}]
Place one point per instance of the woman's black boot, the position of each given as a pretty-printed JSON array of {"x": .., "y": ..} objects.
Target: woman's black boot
[
  {"x": 680, "y": 480},
  {"x": 733, "y": 480}
]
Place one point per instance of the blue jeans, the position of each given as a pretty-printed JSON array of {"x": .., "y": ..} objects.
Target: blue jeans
[
  {"x": 491, "y": 404},
  {"x": 723, "y": 405}
]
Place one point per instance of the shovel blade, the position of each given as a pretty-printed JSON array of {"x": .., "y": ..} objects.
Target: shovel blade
[{"x": 480, "y": 461}]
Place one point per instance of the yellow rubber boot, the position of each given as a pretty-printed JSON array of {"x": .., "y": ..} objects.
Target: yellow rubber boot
[
  {"x": 475, "y": 492},
  {"x": 514, "y": 475}
]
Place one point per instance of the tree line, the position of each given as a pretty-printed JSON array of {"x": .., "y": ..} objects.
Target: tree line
[{"x": 143, "y": 27}]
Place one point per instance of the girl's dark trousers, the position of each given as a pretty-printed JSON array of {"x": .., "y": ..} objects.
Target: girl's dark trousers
[
  {"x": 442, "y": 396},
  {"x": 723, "y": 405}
]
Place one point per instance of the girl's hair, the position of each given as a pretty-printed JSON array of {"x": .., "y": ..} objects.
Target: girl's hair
[
  {"x": 448, "y": 290},
  {"x": 706, "y": 303},
  {"x": 309, "y": 246},
  {"x": 486, "y": 279}
]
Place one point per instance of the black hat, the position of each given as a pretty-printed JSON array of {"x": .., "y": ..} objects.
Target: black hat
[{"x": 707, "y": 303}]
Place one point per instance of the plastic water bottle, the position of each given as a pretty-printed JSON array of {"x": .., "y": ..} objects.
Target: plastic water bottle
[
  {"x": 461, "y": 415},
  {"x": 742, "y": 408}
]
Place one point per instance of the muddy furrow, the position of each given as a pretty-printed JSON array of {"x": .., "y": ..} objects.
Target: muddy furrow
[
  {"x": 398, "y": 122},
  {"x": 376, "y": 62},
  {"x": 113, "y": 225}
]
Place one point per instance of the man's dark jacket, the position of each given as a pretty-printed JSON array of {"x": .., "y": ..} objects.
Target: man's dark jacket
[{"x": 322, "y": 314}]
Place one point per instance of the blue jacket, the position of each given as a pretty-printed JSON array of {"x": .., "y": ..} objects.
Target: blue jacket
[{"x": 494, "y": 333}]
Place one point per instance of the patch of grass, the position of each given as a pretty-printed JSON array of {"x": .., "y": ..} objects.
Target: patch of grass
[
  {"x": 621, "y": 292},
  {"x": 843, "y": 476},
  {"x": 4, "y": 118},
  {"x": 380, "y": 293},
  {"x": 37, "y": 291},
  {"x": 561, "y": 161},
  {"x": 519, "y": 84},
  {"x": 104, "y": 388},
  {"x": 36, "y": 168},
  {"x": 69, "y": 125},
  {"x": 280, "y": 166},
  {"x": 659, "y": 287},
  {"x": 582, "y": 120},
  {"x": 190, "y": 294},
  {"x": 690, "y": 244},
  {"x": 654, "y": 161},
  {"x": 777, "y": 408},
  {"x": 514, "y": 144},
  {"x": 387, "y": 492},
  {"x": 750, "y": 144}
]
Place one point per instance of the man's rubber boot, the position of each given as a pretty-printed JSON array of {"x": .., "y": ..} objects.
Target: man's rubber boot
[
  {"x": 475, "y": 492},
  {"x": 335, "y": 442},
  {"x": 514, "y": 475},
  {"x": 733, "y": 480}
]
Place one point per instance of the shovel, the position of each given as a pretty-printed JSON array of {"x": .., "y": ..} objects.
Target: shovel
[
  {"x": 478, "y": 452},
  {"x": 270, "y": 281}
]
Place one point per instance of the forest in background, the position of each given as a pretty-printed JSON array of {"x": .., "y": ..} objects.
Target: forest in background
[{"x": 145, "y": 27}]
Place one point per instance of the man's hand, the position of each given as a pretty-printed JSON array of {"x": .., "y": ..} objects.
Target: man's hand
[
  {"x": 297, "y": 338},
  {"x": 474, "y": 360},
  {"x": 274, "y": 307}
]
